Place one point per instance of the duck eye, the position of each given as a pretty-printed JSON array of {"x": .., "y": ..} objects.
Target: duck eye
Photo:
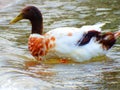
[{"x": 28, "y": 10}]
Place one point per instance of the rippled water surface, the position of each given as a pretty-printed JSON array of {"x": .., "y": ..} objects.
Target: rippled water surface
[{"x": 19, "y": 71}]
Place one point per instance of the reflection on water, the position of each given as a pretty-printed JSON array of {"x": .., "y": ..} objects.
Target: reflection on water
[{"x": 19, "y": 70}]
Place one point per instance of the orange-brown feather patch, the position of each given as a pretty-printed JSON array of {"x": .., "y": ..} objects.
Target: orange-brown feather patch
[
  {"x": 40, "y": 46},
  {"x": 69, "y": 34},
  {"x": 53, "y": 38}
]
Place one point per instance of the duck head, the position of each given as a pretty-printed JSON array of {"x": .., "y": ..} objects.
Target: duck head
[{"x": 34, "y": 16}]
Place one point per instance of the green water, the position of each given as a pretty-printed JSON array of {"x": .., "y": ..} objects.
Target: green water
[{"x": 16, "y": 70}]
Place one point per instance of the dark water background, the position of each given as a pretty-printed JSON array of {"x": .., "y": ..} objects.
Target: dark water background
[{"x": 19, "y": 72}]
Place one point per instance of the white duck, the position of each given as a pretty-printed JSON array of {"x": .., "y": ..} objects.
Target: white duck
[{"x": 78, "y": 44}]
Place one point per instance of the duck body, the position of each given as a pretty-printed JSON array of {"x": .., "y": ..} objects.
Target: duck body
[
  {"x": 78, "y": 44},
  {"x": 63, "y": 43}
]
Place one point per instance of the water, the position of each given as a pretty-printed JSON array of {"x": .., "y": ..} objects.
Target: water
[{"x": 19, "y": 71}]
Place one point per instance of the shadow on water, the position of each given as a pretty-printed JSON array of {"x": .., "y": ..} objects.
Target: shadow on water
[{"x": 19, "y": 70}]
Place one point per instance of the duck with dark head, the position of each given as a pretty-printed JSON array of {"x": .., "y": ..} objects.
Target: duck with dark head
[{"x": 78, "y": 44}]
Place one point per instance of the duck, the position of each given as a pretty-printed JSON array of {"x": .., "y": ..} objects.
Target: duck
[{"x": 78, "y": 44}]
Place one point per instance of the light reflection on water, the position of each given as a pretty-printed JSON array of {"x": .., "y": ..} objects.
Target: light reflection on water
[{"x": 19, "y": 71}]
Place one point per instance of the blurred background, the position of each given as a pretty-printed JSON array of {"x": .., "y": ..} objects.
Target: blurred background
[{"x": 19, "y": 71}]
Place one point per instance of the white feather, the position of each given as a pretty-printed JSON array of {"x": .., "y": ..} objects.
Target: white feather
[{"x": 66, "y": 45}]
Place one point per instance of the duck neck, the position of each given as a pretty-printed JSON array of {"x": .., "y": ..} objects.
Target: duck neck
[{"x": 37, "y": 26}]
